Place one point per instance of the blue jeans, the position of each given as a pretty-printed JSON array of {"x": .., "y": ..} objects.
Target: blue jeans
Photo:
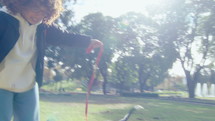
[{"x": 22, "y": 106}]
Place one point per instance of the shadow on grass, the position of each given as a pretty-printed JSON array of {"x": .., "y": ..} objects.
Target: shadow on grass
[{"x": 93, "y": 99}]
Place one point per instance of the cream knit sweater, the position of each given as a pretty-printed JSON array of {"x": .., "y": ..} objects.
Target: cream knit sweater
[{"x": 17, "y": 69}]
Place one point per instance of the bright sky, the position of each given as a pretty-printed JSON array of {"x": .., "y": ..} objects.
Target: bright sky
[
  {"x": 176, "y": 70},
  {"x": 112, "y": 8},
  {"x": 116, "y": 8}
]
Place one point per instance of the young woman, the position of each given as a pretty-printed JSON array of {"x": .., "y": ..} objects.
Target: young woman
[{"x": 25, "y": 30}]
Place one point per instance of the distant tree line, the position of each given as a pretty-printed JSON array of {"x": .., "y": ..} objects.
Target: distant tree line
[{"x": 139, "y": 49}]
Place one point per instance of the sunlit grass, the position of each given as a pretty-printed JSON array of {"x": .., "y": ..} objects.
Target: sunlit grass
[
  {"x": 113, "y": 108},
  {"x": 173, "y": 93},
  {"x": 208, "y": 98}
]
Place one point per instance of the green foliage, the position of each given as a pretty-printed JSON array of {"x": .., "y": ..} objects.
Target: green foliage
[
  {"x": 139, "y": 49},
  {"x": 122, "y": 76},
  {"x": 137, "y": 40}
]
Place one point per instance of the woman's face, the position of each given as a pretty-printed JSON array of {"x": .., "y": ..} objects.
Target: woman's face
[{"x": 34, "y": 14}]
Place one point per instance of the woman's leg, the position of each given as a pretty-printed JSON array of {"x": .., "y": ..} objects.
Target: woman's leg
[
  {"x": 6, "y": 105},
  {"x": 26, "y": 105}
]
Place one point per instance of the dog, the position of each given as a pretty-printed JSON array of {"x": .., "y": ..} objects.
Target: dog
[{"x": 131, "y": 111}]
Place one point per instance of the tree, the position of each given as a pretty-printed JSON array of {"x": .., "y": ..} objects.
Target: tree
[
  {"x": 189, "y": 40},
  {"x": 124, "y": 75},
  {"x": 138, "y": 40},
  {"x": 100, "y": 27}
]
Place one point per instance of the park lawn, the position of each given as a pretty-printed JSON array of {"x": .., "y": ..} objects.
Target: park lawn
[{"x": 112, "y": 108}]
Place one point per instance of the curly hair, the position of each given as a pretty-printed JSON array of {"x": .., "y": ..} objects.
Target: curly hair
[{"x": 54, "y": 7}]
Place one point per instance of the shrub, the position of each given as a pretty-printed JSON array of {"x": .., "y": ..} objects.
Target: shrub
[{"x": 126, "y": 94}]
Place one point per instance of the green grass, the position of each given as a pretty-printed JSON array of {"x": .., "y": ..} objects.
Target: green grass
[
  {"x": 207, "y": 98},
  {"x": 173, "y": 93},
  {"x": 113, "y": 108}
]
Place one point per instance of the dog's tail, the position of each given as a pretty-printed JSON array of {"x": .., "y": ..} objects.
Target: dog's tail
[{"x": 126, "y": 117}]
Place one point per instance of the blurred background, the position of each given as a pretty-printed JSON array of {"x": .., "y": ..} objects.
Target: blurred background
[
  {"x": 159, "y": 50},
  {"x": 150, "y": 46}
]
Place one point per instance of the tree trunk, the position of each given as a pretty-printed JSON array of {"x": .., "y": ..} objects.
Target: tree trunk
[
  {"x": 141, "y": 86},
  {"x": 191, "y": 88},
  {"x": 104, "y": 85},
  {"x": 103, "y": 70},
  {"x": 140, "y": 77},
  {"x": 191, "y": 84},
  {"x": 142, "y": 83},
  {"x": 121, "y": 88}
]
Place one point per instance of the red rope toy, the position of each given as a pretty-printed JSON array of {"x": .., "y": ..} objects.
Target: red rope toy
[{"x": 92, "y": 77}]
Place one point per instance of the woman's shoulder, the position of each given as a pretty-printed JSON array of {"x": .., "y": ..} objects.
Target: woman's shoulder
[
  {"x": 6, "y": 18},
  {"x": 3, "y": 14},
  {"x": 3, "y": 18},
  {"x": 6, "y": 15}
]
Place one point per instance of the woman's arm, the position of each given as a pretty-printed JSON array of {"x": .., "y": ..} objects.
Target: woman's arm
[{"x": 58, "y": 37}]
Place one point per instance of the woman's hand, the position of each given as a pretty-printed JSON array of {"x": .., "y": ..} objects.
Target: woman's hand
[{"x": 94, "y": 44}]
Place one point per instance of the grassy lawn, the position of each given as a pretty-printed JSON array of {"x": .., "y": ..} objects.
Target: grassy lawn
[{"x": 113, "y": 108}]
